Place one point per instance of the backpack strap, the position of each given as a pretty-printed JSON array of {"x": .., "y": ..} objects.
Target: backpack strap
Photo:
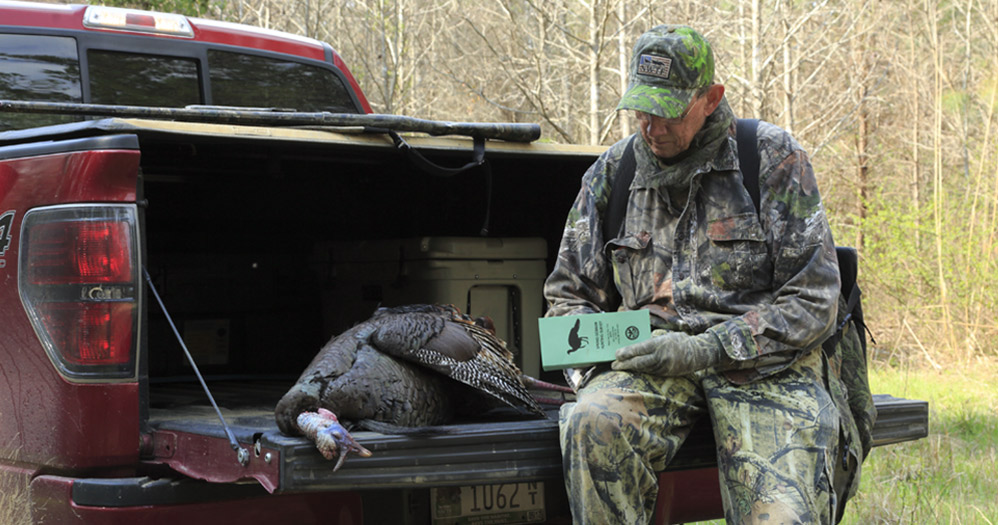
[
  {"x": 848, "y": 271},
  {"x": 616, "y": 205},
  {"x": 748, "y": 156}
]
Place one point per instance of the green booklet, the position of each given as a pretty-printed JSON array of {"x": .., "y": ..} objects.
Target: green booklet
[{"x": 577, "y": 340}]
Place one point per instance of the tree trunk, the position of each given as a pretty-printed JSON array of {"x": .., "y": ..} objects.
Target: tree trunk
[
  {"x": 755, "y": 84},
  {"x": 593, "y": 63},
  {"x": 624, "y": 63}
]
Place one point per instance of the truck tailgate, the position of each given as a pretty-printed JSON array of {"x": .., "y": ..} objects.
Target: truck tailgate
[
  {"x": 504, "y": 448},
  {"x": 192, "y": 441}
]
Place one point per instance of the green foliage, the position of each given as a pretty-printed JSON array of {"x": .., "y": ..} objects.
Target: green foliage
[
  {"x": 987, "y": 91},
  {"x": 955, "y": 101},
  {"x": 894, "y": 256},
  {"x": 927, "y": 267}
]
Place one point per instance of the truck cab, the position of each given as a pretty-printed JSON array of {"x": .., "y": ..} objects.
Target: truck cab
[{"x": 107, "y": 55}]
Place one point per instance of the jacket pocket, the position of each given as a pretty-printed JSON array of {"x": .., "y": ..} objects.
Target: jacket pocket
[
  {"x": 638, "y": 270},
  {"x": 737, "y": 255}
]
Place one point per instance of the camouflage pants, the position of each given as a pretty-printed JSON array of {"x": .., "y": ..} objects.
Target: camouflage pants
[{"x": 776, "y": 439}]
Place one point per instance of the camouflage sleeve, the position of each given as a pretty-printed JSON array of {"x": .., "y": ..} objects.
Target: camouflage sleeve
[
  {"x": 805, "y": 279},
  {"x": 582, "y": 280}
]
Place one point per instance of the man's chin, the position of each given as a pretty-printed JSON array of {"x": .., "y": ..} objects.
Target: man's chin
[{"x": 665, "y": 152}]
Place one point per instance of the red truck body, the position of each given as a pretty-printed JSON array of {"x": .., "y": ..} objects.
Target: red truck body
[
  {"x": 97, "y": 422},
  {"x": 70, "y": 17},
  {"x": 55, "y": 430},
  {"x": 63, "y": 438}
]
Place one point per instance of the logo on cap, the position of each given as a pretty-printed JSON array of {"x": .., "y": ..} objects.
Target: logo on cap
[{"x": 655, "y": 66}]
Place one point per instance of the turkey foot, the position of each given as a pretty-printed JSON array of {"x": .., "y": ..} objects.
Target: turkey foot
[
  {"x": 537, "y": 384},
  {"x": 329, "y": 436}
]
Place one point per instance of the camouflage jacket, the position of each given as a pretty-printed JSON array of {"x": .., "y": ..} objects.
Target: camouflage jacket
[{"x": 766, "y": 283}]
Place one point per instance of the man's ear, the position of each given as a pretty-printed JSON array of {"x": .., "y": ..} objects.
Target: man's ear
[{"x": 714, "y": 96}]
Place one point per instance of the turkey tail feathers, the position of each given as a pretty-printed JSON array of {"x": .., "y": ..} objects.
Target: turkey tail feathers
[{"x": 443, "y": 339}]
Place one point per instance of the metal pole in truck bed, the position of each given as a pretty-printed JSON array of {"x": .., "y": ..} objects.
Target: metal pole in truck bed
[{"x": 508, "y": 131}]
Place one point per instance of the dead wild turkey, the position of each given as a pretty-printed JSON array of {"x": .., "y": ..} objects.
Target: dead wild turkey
[{"x": 409, "y": 366}]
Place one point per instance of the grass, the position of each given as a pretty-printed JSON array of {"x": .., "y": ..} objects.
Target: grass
[
  {"x": 14, "y": 504},
  {"x": 952, "y": 475},
  {"x": 949, "y": 477}
]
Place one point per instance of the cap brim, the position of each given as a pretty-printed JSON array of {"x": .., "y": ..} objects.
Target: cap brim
[{"x": 659, "y": 101}]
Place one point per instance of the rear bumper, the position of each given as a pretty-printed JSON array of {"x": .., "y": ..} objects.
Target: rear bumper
[{"x": 56, "y": 499}]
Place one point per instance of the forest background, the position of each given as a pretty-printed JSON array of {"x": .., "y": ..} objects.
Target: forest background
[{"x": 894, "y": 100}]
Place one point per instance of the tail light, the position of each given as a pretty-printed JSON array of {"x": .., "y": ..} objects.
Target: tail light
[
  {"x": 78, "y": 279},
  {"x": 101, "y": 17}
]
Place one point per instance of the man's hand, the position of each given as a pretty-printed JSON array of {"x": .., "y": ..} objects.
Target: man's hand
[{"x": 671, "y": 354}]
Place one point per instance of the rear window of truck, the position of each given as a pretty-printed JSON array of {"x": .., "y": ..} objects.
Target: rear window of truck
[
  {"x": 247, "y": 80},
  {"x": 36, "y": 67},
  {"x": 129, "y": 79}
]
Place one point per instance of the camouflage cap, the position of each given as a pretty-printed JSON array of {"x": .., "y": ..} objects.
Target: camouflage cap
[{"x": 668, "y": 65}]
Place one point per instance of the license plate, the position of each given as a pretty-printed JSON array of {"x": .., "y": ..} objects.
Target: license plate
[{"x": 499, "y": 504}]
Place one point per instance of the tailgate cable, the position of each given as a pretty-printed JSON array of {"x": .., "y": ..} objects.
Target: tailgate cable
[{"x": 242, "y": 455}]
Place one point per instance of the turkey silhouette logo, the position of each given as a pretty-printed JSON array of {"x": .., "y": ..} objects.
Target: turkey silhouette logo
[{"x": 574, "y": 341}]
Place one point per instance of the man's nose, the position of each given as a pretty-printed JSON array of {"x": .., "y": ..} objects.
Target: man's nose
[{"x": 655, "y": 126}]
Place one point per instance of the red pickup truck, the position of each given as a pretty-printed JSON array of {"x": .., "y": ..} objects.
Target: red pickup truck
[{"x": 238, "y": 174}]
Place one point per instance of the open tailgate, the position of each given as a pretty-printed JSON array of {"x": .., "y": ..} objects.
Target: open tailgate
[{"x": 464, "y": 454}]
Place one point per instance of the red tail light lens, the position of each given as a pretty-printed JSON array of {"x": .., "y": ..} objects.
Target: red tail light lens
[
  {"x": 102, "y": 17},
  {"x": 81, "y": 252},
  {"x": 78, "y": 278},
  {"x": 136, "y": 19},
  {"x": 91, "y": 333}
]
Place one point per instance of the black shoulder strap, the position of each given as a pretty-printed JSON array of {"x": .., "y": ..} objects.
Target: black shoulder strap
[
  {"x": 748, "y": 159},
  {"x": 748, "y": 156},
  {"x": 616, "y": 205},
  {"x": 848, "y": 271}
]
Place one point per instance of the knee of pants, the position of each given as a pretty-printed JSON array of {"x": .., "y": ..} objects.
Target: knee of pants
[
  {"x": 586, "y": 413},
  {"x": 603, "y": 417}
]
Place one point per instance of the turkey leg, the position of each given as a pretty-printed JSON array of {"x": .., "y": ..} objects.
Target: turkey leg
[{"x": 537, "y": 384}]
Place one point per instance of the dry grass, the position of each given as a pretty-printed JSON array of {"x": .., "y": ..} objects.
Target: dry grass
[{"x": 15, "y": 506}]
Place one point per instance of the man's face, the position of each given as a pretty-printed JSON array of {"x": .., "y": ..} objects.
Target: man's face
[{"x": 670, "y": 137}]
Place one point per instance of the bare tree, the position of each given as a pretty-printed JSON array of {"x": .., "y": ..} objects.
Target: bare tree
[{"x": 895, "y": 102}]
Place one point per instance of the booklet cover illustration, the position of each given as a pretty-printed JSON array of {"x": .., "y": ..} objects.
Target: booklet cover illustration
[{"x": 577, "y": 340}]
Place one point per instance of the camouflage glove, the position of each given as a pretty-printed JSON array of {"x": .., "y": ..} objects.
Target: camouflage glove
[{"x": 671, "y": 354}]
